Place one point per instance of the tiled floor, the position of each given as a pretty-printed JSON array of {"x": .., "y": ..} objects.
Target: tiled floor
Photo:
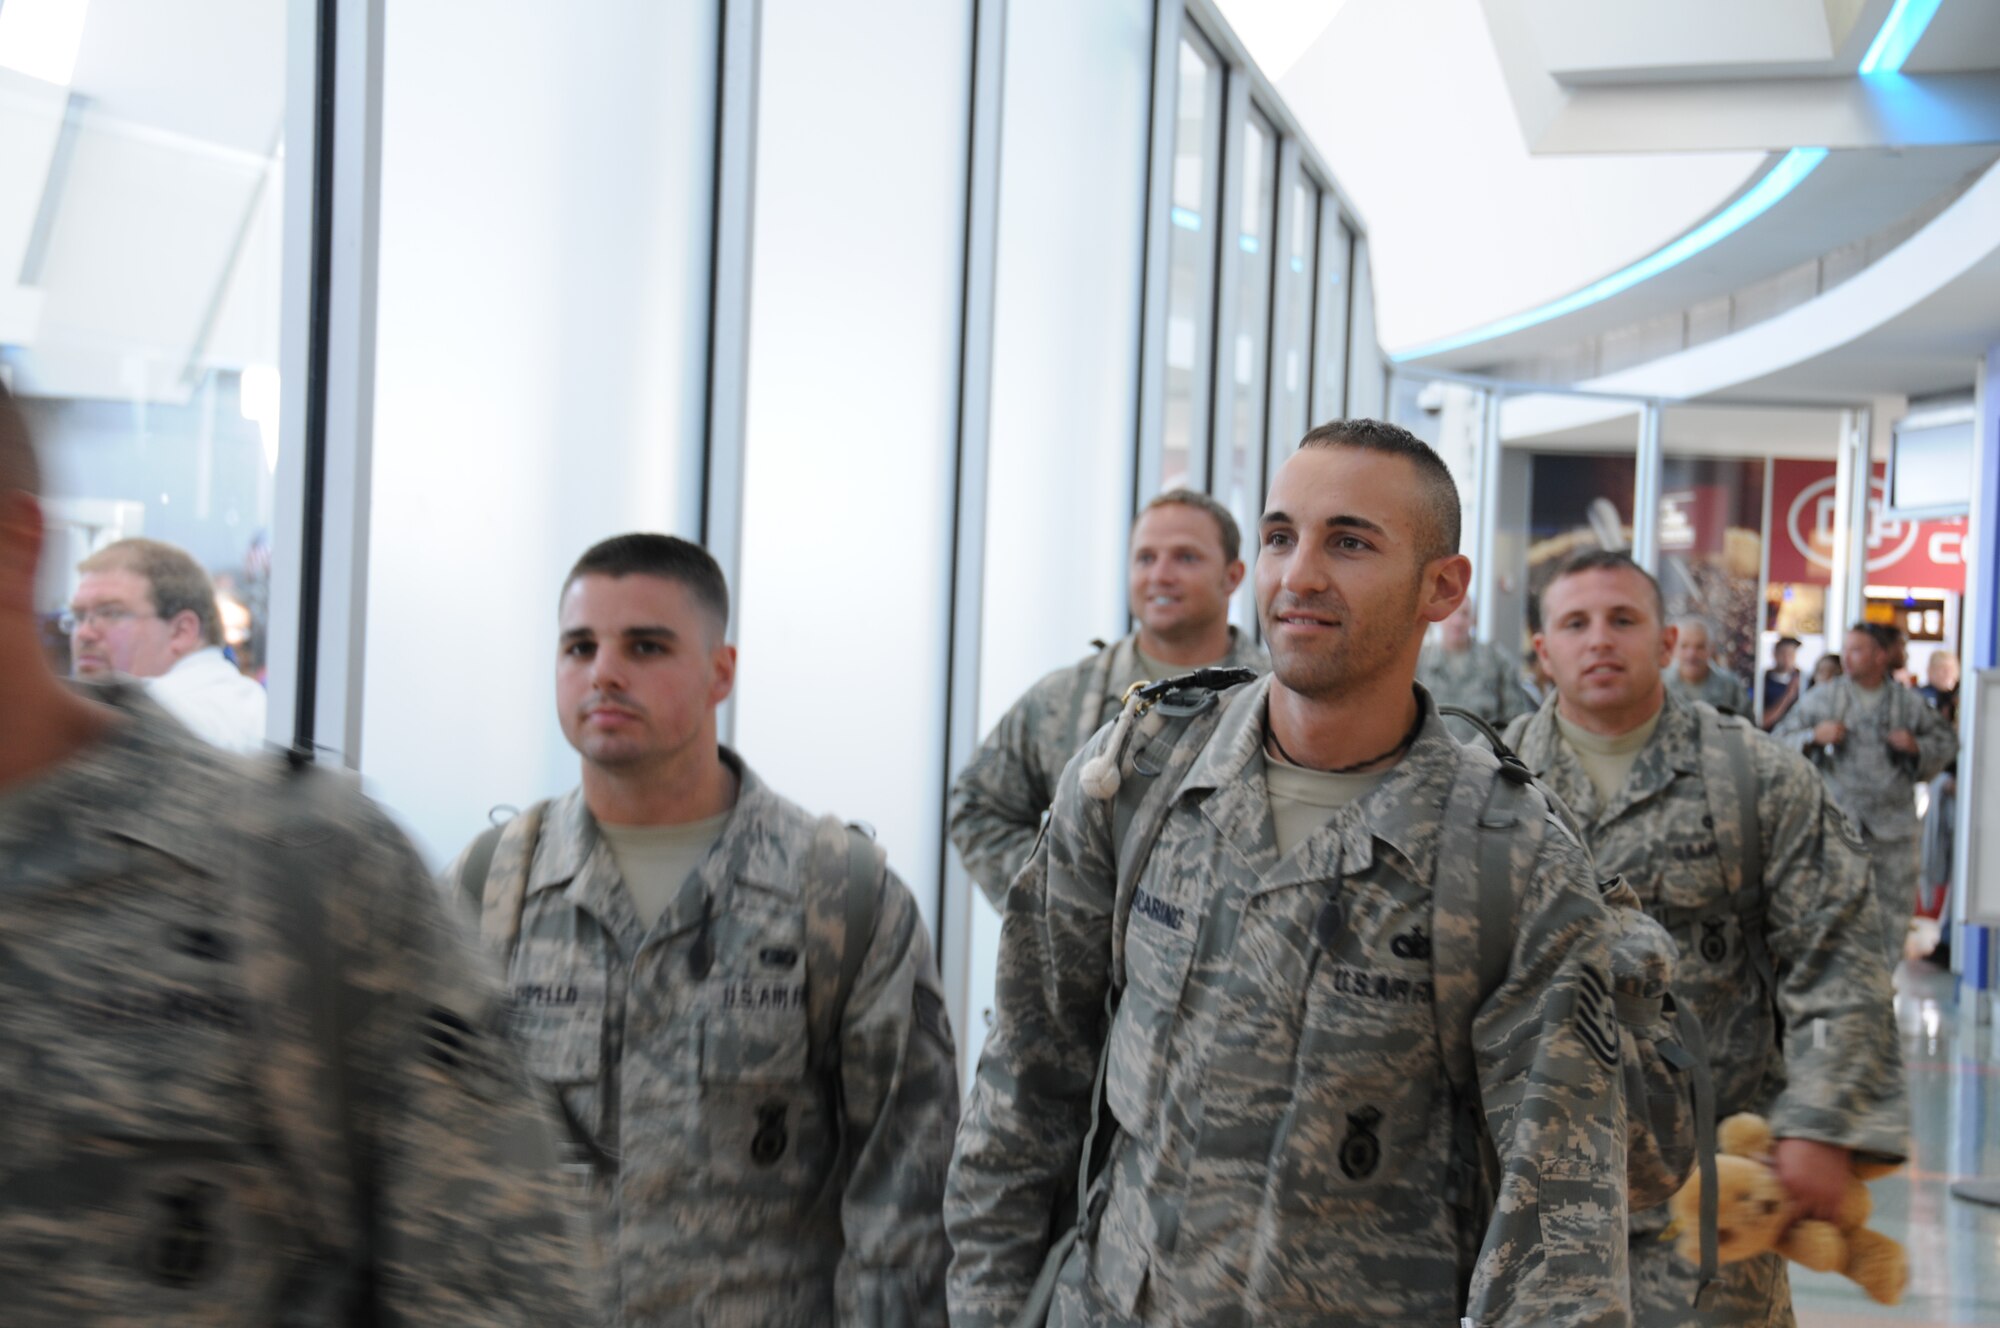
[{"x": 1954, "y": 1246}]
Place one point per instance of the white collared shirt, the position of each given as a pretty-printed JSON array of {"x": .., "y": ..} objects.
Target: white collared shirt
[{"x": 205, "y": 692}]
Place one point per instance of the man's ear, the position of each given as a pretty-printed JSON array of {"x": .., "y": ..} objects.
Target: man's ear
[
  {"x": 184, "y": 634},
  {"x": 1447, "y": 581},
  {"x": 1669, "y": 637},
  {"x": 723, "y": 661},
  {"x": 1232, "y": 575}
]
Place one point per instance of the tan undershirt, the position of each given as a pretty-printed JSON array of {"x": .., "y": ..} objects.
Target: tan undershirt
[
  {"x": 655, "y": 860},
  {"x": 1867, "y": 700},
  {"x": 1607, "y": 759},
  {"x": 1304, "y": 800}
]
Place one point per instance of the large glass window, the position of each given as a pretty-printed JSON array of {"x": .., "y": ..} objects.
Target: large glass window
[
  {"x": 1291, "y": 364},
  {"x": 141, "y": 235},
  {"x": 540, "y": 355},
  {"x": 1329, "y": 352},
  {"x": 1239, "y": 474},
  {"x": 1065, "y": 367},
  {"x": 1191, "y": 262},
  {"x": 853, "y": 411}
]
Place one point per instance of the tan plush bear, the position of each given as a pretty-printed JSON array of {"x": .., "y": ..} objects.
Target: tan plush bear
[{"x": 1754, "y": 1213}]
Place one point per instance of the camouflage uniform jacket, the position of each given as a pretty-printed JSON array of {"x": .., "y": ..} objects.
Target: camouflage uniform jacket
[
  {"x": 998, "y": 802},
  {"x": 1836, "y": 1073},
  {"x": 737, "y": 1198},
  {"x": 1478, "y": 678},
  {"x": 1282, "y": 1111},
  {"x": 1872, "y": 784},
  {"x": 1720, "y": 689},
  {"x": 170, "y": 1155}
]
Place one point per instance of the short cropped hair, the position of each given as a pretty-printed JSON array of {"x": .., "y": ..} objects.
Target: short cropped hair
[
  {"x": 1604, "y": 560},
  {"x": 1439, "y": 492},
  {"x": 19, "y": 469},
  {"x": 668, "y": 557},
  {"x": 178, "y": 583},
  {"x": 1886, "y": 635},
  {"x": 1232, "y": 535}
]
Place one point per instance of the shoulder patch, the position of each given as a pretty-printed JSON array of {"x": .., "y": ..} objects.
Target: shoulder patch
[{"x": 1597, "y": 1017}]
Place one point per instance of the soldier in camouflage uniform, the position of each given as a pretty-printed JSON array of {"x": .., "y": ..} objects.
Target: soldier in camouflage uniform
[
  {"x": 1283, "y": 1144},
  {"x": 1472, "y": 675},
  {"x": 1184, "y": 565},
  {"x": 248, "y": 1066},
  {"x": 1833, "y": 1083},
  {"x": 1697, "y": 677},
  {"x": 1875, "y": 740},
  {"x": 670, "y": 950}
]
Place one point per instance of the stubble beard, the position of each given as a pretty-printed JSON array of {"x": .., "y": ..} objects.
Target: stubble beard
[{"x": 1360, "y": 652}]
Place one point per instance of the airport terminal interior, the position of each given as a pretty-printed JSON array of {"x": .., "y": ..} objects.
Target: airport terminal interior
[{"x": 386, "y": 309}]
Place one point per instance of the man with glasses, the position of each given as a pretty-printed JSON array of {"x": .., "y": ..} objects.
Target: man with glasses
[{"x": 145, "y": 609}]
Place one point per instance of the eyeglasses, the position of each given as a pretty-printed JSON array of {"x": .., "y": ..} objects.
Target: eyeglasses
[{"x": 105, "y": 616}]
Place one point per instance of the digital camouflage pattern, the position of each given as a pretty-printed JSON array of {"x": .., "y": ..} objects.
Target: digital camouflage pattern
[
  {"x": 1479, "y": 678},
  {"x": 1283, "y": 1113},
  {"x": 1871, "y": 783},
  {"x": 998, "y": 802},
  {"x": 169, "y": 1154},
  {"x": 1876, "y": 786},
  {"x": 1836, "y": 1074},
  {"x": 1720, "y": 689},
  {"x": 733, "y": 1198}
]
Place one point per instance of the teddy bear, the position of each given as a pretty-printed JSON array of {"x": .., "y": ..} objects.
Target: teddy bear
[{"x": 1754, "y": 1213}]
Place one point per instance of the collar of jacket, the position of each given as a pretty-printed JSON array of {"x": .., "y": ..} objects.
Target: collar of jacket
[
  {"x": 183, "y": 780},
  {"x": 569, "y": 837},
  {"x": 1404, "y": 811},
  {"x": 1673, "y": 750}
]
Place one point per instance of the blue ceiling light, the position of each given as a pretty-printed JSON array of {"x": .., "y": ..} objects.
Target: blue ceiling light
[
  {"x": 1780, "y": 180},
  {"x": 1900, "y": 33},
  {"x": 1892, "y": 46}
]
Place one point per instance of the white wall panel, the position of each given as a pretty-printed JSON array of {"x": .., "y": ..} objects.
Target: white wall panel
[
  {"x": 852, "y": 415},
  {"x": 1065, "y": 362},
  {"x": 540, "y": 358}
]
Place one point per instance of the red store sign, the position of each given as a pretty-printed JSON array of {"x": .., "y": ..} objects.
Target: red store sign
[{"x": 1900, "y": 553}]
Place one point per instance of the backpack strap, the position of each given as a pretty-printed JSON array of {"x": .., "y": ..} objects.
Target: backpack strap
[
  {"x": 1083, "y": 720},
  {"x": 1729, "y": 781},
  {"x": 843, "y": 897},
  {"x": 1474, "y": 902},
  {"x": 499, "y": 896}
]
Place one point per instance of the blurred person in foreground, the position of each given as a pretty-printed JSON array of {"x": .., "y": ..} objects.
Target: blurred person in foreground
[
  {"x": 251, "y": 1074},
  {"x": 1874, "y": 741},
  {"x": 1184, "y": 564},
  {"x": 733, "y": 1000},
  {"x": 1696, "y": 676},
  {"x": 146, "y": 609},
  {"x": 1734, "y": 845}
]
